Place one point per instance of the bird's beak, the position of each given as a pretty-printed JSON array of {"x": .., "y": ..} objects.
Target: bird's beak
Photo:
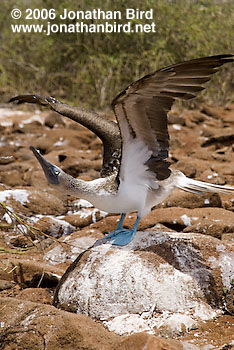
[{"x": 51, "y": 171}]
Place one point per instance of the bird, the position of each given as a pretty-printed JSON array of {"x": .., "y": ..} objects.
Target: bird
[{"x": 140, "y": 176}]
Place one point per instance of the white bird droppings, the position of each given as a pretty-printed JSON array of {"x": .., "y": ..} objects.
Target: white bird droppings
[
  {"x": 186, "y": 220},
  {"x": 17, "y": 194}
]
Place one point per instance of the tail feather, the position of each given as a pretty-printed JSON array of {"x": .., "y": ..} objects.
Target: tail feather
[{"x": 201, "y": 187}]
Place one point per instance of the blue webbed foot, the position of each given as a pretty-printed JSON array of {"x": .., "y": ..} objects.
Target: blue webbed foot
[{"x": 120, "y": 236}]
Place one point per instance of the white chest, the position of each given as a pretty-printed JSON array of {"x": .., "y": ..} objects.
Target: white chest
[{"x": 127, "y": 199}]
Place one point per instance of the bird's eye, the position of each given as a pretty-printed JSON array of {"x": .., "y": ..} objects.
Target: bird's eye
[{"x": 57, "y": 172}]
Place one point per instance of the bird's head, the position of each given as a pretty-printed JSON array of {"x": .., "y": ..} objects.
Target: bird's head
[{"x": 52, "y": 172}]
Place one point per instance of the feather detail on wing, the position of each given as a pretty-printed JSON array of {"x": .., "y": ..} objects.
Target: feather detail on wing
[
  {"x": 106, "y": 130},
  {"x": 141, "y": 109}
]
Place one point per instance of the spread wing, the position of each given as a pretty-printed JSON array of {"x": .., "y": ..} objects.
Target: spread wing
[
  {"x": 106, "y": 130},
  {"x": 141, "y": 109}
]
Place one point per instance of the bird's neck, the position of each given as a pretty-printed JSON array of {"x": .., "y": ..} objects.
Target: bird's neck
[
  {"x": 88, "y": 189},
  {"x": 77, "y": 187}
]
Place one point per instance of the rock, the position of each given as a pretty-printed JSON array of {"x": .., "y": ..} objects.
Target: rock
[
  {"x": 6, "y": 159},
  {"x": 5, "y": 285},
  {"x": 14, "y": 197},
  {"x": 54, "y": 119},
  {"x": 211, "y": 111},
  {"x": 210, "y": 221},
  {"x": 167, "y": 282},
  {"x": 28, "y": 201},
  {"x": 214, "y": 222},
  {"x": 197, "y": 117},
  {"x": 146, "y": 341},
  {"x": 26, "y": 127},
  {"x": 187, "y": 168},
  {"x": 54, "y": 227},
  {"x": 209, "y": 336},
  {"x": 78, "y": 220},
  {"x": 24, "y": 154},
  {"x": 228, "y": 237},
  {"x": 44, "y": 144},
  {"x": 28, "y": 325},
  {"x": 12, "y": 178},
  {"x": 28, "y": 273},
  {"x": 20, "y": 240},
  {"x": 80, "y": 166},
  {"x": 66, "y": 249},
  {"x": 227, "y": 170},
  {"x": 36, "y": 179},
  {"x": 44, "y": 203},
  {"x": 189, "y": 200},
  {"x": 208, "y": 131},
  {"x": 221, "y": 140},
  {"x": 176, "y": 118},
  {"x": 85, "y": 217},
  {"x": 40, "y": 295},
  {"x": 12, "y": 173}
]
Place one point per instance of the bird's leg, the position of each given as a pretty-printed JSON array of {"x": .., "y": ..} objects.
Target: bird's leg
[{"x": 120, "y": 224}]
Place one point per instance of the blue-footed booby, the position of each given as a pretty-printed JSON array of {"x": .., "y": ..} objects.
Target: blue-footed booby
[{"x": 140, "y": 178}]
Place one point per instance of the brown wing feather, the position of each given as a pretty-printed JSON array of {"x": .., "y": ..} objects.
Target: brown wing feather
[
  {"x": 106, "y": 130},
  {"x": 144, "y": 104}
]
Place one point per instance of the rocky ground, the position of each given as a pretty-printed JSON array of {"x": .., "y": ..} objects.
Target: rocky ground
[{"x": 171, "y": 288}]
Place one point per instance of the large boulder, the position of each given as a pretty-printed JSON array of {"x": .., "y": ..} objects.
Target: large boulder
[{"x": 167, "y": 282}]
